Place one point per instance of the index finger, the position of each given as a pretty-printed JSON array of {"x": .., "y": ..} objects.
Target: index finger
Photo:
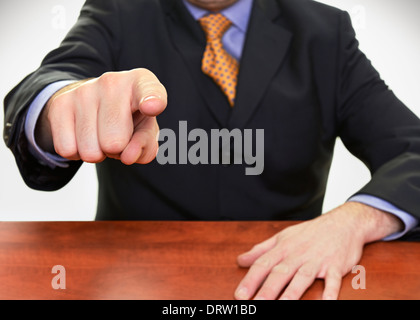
[
  {"x": 149, "y": 94},
  {"x": 257, "y": 273}
]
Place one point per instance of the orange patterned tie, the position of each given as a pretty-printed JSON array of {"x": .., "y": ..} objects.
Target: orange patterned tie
[{"x": 217, "y": 63}]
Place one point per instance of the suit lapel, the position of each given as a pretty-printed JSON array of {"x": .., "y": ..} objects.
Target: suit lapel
[
  {"x": 265, "y": 48},
  {"x": 189, "y": 40}
]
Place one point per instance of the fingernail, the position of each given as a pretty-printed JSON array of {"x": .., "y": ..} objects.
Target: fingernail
[
  {"x": 242, "y": 293},
  {"x": 148, "y": 98}
]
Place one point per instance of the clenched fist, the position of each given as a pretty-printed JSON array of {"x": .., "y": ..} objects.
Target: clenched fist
[{"x": 111, "y": 116}]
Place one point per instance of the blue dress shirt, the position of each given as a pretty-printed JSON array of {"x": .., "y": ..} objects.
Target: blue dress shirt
[{"x": 233, "y": 41}]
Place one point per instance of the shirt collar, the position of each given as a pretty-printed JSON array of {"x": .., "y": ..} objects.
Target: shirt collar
[{"x": 239, "y": 13}]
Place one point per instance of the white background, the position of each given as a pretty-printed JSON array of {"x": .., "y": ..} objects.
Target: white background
[{"x": 388, "y": 31}]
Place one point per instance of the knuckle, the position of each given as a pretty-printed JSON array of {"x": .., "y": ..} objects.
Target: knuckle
[
  {"x": 263, "y": 262},
  {"x": 110, "y": 83},
  {"x": 64, "y": 151},
  {"x": 107, "y": 79},
  {"x": 281, "y": 269},
  {"x": 305, "y": 272},
  {"x": 113, "y": 145},
  {"x": 89, "y": 153},
  {"x": 113, "y": 139},
  {"x": 257, "y": 247},
  {"x": 91, "y": 156}
]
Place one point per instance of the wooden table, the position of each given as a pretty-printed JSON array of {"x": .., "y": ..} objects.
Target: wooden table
[{"x": 168, "y": 261}]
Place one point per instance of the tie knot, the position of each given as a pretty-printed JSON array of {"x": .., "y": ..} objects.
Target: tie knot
[{"x": 215, "y": 25}]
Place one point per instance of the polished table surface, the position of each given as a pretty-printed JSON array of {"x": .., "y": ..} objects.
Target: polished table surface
[{"x": 169, "y": 261}]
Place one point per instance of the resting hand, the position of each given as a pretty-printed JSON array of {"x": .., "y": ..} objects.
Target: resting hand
[
  {"x": 287, "y": 264},
  {"x": 111, "y": 116}
]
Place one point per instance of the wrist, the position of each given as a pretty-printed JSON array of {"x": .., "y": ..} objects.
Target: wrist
[{"x": 368, "y": 223}]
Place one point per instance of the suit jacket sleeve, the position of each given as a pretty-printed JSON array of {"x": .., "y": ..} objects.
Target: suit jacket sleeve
[
  {"x": 377, "y": 127},
  {"x": 89, "y": 50}
]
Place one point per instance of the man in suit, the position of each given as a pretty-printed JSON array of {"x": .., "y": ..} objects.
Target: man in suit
[{"x": 299, "y": 76}]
